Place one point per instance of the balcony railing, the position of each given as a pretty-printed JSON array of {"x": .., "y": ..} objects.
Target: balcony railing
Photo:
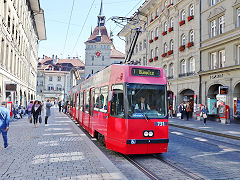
[
  {"x": 182, "y": 75},
  {"x": 186, "y": 74}
]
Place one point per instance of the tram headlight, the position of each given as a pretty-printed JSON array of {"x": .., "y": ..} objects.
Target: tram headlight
[
  {"x": 145, "y": 133},
  {"x": 150, "y": 133}
]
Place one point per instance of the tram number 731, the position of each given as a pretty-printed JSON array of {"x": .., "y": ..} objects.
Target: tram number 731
[{"x": 160, "y": 123}]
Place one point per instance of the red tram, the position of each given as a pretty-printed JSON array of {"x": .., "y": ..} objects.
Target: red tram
[{"x": 127, "y": 106}]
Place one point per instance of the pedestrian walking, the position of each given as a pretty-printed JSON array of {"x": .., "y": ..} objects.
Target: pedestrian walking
[
  {"x": 62, "y": 105},
  {"x": 29, "y": 108},
  {"x": 4, "y": 122},
  {"x": 181, "y": 110},
  {"x": 204, "y": 114},
  {"x": 188, "y": 111},
  {"x": 170, "y": 111},
  {"x": 36, "y": 111},
  {"x": 59, "y": 106},
  {"x": 48, "y": 111}
]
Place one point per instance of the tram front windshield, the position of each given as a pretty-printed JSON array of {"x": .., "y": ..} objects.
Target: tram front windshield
[{"x": 146, "y": 101}]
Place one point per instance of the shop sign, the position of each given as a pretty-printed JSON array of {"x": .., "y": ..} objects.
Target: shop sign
[
  {"x": 11, "y": 87},
  {"x": 223, "y": 89},
  {"x": 216, "y": 76},
  {"x": 221, "y": 99},
  {"x": 212, "y": 106}
]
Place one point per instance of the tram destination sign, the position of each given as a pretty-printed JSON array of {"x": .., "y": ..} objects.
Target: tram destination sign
[{"x": 146, "y": 72}]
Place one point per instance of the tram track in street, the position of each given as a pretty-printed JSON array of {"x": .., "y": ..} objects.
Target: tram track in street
[
  {"x": 149, "y": 171},
  {"x": 215, "y": 142}
]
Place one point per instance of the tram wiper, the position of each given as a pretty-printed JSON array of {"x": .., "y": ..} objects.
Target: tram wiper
[{"x": 146, "y": 117}]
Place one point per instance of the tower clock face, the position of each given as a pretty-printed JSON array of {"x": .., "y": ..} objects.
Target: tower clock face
[{"x": 98, "y": 53}]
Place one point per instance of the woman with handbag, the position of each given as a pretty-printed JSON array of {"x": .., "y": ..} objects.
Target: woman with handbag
[
  {"x": 204, "y": 114},
  {"x": 36, "y": 111}
]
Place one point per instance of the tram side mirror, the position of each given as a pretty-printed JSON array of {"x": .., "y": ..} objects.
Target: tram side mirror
[{"x": 110, "y": 99}]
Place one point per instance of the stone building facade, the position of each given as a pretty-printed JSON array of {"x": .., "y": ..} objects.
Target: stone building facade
[
  {"x": 170, "y": 39},
  {"x": 22, "y": 26},
  {"x": 56, "y": 77},
  {"x": 220, "y": 51}
]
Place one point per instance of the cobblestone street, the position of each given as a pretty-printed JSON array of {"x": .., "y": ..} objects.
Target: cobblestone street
[{"x": 59, "y": 150}]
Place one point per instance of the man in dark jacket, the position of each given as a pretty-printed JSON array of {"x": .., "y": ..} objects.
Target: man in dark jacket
[{"x": 4, "y": 122}]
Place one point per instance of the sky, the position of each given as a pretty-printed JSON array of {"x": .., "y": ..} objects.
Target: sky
[{"x": 63, "y": 41}]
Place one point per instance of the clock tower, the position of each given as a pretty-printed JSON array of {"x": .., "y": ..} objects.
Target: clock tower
[{"x": 100, "y": 51}]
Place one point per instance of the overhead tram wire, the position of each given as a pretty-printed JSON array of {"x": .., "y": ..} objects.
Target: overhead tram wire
[
  {"x": 83, "y": 25},
  {"x": 128, "y": 13},
  {"x": 69, "y": 21}
]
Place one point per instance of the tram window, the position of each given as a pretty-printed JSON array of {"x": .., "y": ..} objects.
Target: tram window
[
  {"x": 86, "y": 102},
  {"x": 74, "y": 100},
  {"x": 103, "y": 99},
  {"x": 117, "y": 105},
  {"x": 77, "y": 105},
  {"x": 96, "y": 99},
  {"x": 81, "y": 101}
]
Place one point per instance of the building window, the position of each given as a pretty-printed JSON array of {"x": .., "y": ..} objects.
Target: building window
[
  {"x": 102, "y": 58},
  {"x": 238, "y": 17},
  {"x": 213, "y": 2},
  {"x": 171, "y": 23},
  {"x": 191, "y": 10},
  {"x": 152, "y": 53},
  {"x": 165, "y": 69},
  {"x": 165, "y": 48},
  {"x": 156, "y": 52},
  {"x": 165, "y": 26},
  {"x": 166, "y": 4},
  {"x": 156, "y": 32},
  {"x": 140, "y": 46},
  {"x": 183, "y": 67},
  {"x": 50, "y": 87},
  {"x": 92, "y": 71},
  {"x": 59, "y": 78},
  {"x": 152, "y": 35},
  {"x": 171, "y": 70},
  {"x": 183, "y": 40},
  {"x": 183, "y": 15},
  {"x": 191, "y": 65},
  {"x": 145, "y": 44},
  {"x": 171, "y": 45},
  {"x": 238, "y": 54},
  {"x": 92, "y": 58},
  {"x": 213, "y": 28},
  {"x": 50, "y": 78},
  {"x": 221, "y": 56},
  {"x": 221, "y": 25},
  {"x": 213, "y": 61},
  {"x": 191, "y": 36}
]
